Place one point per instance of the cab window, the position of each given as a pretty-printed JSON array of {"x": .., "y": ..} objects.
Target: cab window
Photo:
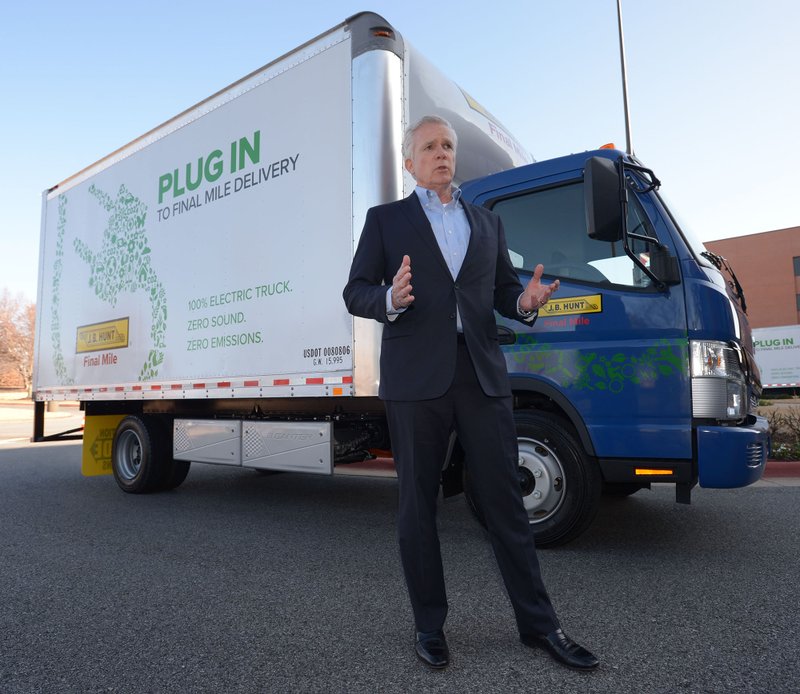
[{"x": 549, "y": 227}]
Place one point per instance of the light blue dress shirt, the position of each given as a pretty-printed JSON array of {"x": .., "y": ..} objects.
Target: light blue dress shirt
[
  {"x": 449, "y": 224},
  {"x": 451, "y": 229}
]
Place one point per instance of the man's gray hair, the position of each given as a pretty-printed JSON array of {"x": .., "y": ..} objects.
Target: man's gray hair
[{"x": 408, "y": 137}]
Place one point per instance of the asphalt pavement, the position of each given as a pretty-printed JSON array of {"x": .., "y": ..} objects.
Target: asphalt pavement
[{"x": 239, "y": 582}]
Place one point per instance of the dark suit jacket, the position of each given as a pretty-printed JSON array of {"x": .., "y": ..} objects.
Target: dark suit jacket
[{"x": 418, "y": 349}]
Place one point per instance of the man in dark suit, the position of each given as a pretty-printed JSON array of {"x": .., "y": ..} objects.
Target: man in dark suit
[{"x": 442, "y": 370}]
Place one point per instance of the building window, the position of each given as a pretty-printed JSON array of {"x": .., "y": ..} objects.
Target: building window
[{"x": 797, "y": 266}]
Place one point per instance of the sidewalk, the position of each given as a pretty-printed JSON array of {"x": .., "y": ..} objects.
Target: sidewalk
[
  {"x": 18, "y": 408},
  {"x": 781, "y": 473}
]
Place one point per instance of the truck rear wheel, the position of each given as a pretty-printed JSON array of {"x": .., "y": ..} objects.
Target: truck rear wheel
[
  {"x": 175, "y": 473},
  {"x": 142, "y": 459},
  {"x": 560, "y": 485}
]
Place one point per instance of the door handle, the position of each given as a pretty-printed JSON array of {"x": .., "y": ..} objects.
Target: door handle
[{"x": 505, "y": 335}]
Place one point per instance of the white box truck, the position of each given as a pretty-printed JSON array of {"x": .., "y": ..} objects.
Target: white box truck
[
  {"x": 778, "y": 355},
  {"x": 190, "y": 294},
  {"x": 190, "y": 282}
]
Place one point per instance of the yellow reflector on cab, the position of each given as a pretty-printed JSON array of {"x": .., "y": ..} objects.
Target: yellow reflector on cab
[{"x": 640, "y": 471}]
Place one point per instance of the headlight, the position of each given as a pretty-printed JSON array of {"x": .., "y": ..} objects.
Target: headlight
[{"x": 718, "y": 385}]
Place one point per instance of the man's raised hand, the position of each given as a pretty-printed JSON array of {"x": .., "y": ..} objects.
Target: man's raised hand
[
  {"x": 401, "y": 286},
  {"x": 537, "y": 294}
]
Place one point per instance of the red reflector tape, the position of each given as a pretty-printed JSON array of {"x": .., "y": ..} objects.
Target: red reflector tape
[
  {"x": 315, "y": 381},
  {"x": 281, "y": 382},
  {"x": 224, "y": 384},
  {"x": 251, "y": 384}
]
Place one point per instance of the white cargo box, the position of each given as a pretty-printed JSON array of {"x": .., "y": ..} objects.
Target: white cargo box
[{"x": 207, "y": 258}]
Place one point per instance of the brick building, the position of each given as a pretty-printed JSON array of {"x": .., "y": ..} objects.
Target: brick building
[{"x": 768, "y": 268}]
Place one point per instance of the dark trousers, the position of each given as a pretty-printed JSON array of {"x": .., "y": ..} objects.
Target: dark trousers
[{"x": 420, "y": 432}]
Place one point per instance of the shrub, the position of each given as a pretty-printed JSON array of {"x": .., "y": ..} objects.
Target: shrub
[
  {"x": 786, "y": 451},
  {"x": 784, "y": 423}
]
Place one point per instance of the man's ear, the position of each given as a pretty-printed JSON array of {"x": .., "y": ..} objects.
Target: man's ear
[{"x": 409, "y": 166}]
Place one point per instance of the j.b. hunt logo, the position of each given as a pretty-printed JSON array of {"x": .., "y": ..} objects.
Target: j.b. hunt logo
[{"x": 592, "y": 303}]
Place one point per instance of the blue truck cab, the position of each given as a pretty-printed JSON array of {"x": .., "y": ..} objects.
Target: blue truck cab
[{"x": 640, "y": 370}]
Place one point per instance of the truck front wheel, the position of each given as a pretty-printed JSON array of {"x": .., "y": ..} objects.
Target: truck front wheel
[{"x": 560, "y": 485}]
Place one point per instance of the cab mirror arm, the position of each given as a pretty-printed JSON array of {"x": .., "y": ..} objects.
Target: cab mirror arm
[{"x": 606, "y": 208}]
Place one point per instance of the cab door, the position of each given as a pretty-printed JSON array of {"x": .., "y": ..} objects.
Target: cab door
[{"x": 609, "y": 342}]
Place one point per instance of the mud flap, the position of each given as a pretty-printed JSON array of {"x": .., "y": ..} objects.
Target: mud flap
[{"x": 98, "y": 438}]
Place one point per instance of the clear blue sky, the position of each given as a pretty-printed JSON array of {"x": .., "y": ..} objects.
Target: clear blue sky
[{"x": 714, "y": 88}]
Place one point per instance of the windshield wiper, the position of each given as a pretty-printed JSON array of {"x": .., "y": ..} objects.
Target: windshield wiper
[{"x": 721, "y": 264}]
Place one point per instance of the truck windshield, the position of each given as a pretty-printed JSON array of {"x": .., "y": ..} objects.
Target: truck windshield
[{"x": 690, "y": 236}]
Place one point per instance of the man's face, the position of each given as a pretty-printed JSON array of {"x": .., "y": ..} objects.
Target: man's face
[{"x": 433, "y": 156}]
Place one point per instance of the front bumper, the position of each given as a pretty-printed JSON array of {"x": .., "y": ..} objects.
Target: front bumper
[{"x": 732, "y": 456}]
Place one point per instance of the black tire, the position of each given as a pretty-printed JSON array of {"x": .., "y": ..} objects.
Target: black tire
[
  {"x": 560, "y": 484},
  {"x": 137, "y": 455},
  {"x": 175, "y": 473},
  {"x": 141, "y": 457}
]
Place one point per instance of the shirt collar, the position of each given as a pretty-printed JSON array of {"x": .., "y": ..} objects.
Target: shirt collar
[{"x": 427, "y": 196}]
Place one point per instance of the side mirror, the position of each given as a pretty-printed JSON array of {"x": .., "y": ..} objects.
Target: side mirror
[{"x": 601, "y": 191}]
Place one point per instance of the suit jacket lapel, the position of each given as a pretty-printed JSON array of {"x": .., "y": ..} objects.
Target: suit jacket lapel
[{"x": 475, "y": 232}]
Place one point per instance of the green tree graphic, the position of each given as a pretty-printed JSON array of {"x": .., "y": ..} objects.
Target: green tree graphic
[
  {"x": 590, "y": 370},
  {"x": 122, "y": 264},
  {"x": 55, "y": 302}
]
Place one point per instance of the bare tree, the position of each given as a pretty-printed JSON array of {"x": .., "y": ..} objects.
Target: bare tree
[{"x": 17, "y": 325}]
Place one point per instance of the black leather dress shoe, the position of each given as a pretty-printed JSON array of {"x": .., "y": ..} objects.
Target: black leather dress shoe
[
  {"x": 431, "y": 647},
  {"x": 563, "y": 649}
]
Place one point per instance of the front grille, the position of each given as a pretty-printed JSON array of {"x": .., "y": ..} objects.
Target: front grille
[{"x": 709, "y": 396}]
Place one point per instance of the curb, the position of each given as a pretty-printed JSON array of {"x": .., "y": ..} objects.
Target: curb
[{"x": 782, "y": 468}]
